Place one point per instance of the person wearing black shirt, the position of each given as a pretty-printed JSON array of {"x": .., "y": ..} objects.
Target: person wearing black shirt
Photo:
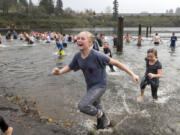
[
  {"x": 152, "y": 74},
  {"x": 107, "y": 51}
]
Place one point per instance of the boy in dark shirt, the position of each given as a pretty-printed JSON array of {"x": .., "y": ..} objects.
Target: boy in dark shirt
[
  {"x": 173, "y": 41},
  {"x": 152, "y": 74},
  {"x": 115, "y": 41},
  {"x": 107, "y": 51},
  {"x": 96, "y": 45}
]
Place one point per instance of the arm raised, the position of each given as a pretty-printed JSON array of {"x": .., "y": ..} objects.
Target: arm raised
[{"x": 123, "y": 67}]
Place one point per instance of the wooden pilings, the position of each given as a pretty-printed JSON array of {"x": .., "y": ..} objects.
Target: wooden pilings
[
  {"x": 120, "y": 34},
  {"x": 147, "y": 31},
  {"x": 139, "y": 31}
]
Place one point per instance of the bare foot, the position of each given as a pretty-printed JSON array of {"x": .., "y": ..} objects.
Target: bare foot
[
  {"x": 8, "y": 131},
  {"x": 155, "y": 100},
  {"x": 139, "y": 99}
]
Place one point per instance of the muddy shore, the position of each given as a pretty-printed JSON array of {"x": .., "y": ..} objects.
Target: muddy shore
[{"x": 25, "y": 119}]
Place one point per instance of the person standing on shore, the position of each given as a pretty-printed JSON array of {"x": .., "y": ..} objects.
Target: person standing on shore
[{"x": 93, "y": 65}]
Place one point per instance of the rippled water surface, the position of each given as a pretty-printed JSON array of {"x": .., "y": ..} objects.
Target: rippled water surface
[{"x": 26, "y": 70}]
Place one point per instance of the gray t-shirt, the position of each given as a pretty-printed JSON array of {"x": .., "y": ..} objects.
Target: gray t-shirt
[{"x": 93, "y": 67}]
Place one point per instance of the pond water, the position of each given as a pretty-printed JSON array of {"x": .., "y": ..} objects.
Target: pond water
[{"x": 26, "y": 70}]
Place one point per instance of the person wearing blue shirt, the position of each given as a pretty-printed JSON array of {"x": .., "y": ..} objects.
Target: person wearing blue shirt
[
  {"x": 60, "y": 47},
  {"x": 173, "y": 41},
  {"x": 15, "y": 35}
]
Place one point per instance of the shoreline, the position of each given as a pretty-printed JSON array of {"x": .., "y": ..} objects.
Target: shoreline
[{"x": 25, "y": 119}]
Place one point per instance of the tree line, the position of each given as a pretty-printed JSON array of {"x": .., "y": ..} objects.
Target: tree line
[
  {"x": 48, "y": 7},
  {"x": 49, "y": 14}
]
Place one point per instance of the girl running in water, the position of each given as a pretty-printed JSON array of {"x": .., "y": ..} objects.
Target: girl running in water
[
  {"x": 93, "y": 65},
  {"x": 152, "y": 74}
]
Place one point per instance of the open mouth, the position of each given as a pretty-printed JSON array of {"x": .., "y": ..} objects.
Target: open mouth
[{"x": 80, "y": 44}]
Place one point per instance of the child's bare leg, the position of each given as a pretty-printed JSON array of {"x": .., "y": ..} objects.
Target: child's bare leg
[
  {"x": 8, "y": 131},
  {"x": 140, "y": 98}
]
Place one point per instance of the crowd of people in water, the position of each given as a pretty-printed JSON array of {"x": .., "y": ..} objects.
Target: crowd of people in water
[
  {"x": 94, "y": 72},
  {"x": 63, "y": 39}
]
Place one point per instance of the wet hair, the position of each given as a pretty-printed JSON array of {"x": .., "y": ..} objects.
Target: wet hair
[
  {"x": 152, "y": 50},
  {"x": 90, "y": 36}
]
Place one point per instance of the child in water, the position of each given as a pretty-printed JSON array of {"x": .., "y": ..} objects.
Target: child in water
[
  {"x": 127, "y": 37},
  {"x": 107, "y": 51},
  {"x": 93, "y": 64},
  {"x": 60, "y": 47},
  {"x": 139, "y": 40},
  {"x": 5, "y": 128},
  {"x": 152, "y": 74}
]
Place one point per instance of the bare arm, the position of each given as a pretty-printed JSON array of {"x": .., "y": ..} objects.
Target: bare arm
[
  {"x": 123, "y": 67},
  {"x": 57, "y": 71}
]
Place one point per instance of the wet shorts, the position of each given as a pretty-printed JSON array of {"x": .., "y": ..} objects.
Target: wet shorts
[{"x": 156, "y": 43}]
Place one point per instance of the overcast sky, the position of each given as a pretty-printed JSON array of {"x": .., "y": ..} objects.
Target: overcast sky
[{"x": 125, "y": 6}]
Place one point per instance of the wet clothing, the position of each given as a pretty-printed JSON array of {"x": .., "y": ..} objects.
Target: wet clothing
[
  {"x": 3, "y": 124},
  {"x": 64, "y": 42},
  {"x": 173, "y": 41},
  {"x": 156, "y": 43},
  {"x": 31, "y": 40},
  {"x": 91, "y": 104},
  {"x": 8, "y": 36},
  {"x": 106, "y": 51},
  {"x": 154, "y": 82},
  {"x": 115, "y": 42},
  {"x": 60, "y": 49},
  {"x": 69, "y": 39},
  {"x": 96, "y": 45},
  {"x": 21, "y": 38},
  {"x": 94, "y": 70},
  {"x": 100, "y": 42},
  {"x": 15, "y": 35}
]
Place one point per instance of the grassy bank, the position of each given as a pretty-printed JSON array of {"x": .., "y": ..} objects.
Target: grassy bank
[{"x": 52, "y": 22}]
